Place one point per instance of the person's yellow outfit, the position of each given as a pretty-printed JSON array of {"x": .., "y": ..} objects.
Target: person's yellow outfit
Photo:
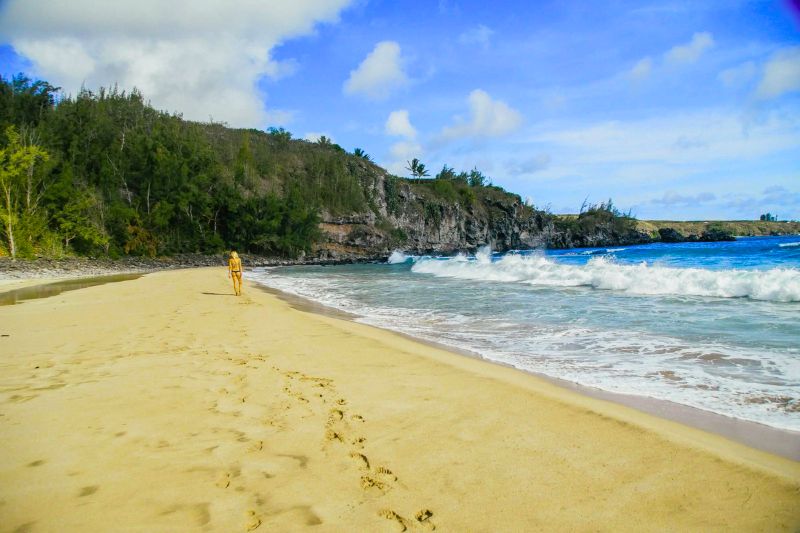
[{"x": 235, "y": 272}]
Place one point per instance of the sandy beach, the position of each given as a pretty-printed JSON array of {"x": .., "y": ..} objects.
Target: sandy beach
[{"x": 166, "y": 403}]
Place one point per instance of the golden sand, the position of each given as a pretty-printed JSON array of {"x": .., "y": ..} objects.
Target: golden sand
[{"x": 167, "y": 404}]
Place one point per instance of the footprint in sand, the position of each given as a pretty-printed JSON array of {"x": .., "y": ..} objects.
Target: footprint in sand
[
  {"x": 369, "y": 482},
  {"x": 332, "y": 435},
  {"x": 224, "y": 480},
  {"x": 423, "y": 517},
  {"x": 88, "y": 491},
  {"x": 381, "y": 478},
  {"x": 361, "y": 458},
  {"x": 391, "y": 515},
  {"x": 252, "y": 521}
]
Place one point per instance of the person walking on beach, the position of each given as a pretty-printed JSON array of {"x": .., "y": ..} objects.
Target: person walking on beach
[{"x": 235, "y": 272}]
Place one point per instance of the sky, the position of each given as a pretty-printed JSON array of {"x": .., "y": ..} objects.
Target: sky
[{"x": 674, "y": 109}]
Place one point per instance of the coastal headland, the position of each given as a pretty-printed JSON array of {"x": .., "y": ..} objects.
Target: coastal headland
[{"x": 165, "y": 403}]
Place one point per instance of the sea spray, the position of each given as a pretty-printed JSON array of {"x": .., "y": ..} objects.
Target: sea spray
[{"x": 397, "y": 257}]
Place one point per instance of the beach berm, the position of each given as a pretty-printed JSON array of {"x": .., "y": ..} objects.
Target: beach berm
[{"x": 165, "y": 403}]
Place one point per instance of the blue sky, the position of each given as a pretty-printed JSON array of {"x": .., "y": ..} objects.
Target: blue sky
[{"x": 675, "y": 109}]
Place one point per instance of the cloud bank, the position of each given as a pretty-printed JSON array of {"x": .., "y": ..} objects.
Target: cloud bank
[
  {"x": 379, "y": 74},
  {"x": 691, "y": 51},
  {"x": 488, "y": 118},
  {"x": 398, "y": 124},
  {"x": 781, "y": 74},
  {"x": 202, "y": 58}
]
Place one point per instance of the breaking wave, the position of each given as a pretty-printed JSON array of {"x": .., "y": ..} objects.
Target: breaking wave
[
  {"x": 776, "y": 284},
  {"x": 397, "y": 257}
]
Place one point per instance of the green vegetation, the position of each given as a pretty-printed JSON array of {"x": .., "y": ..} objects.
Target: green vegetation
[
  {"x": 358, "y": 152},
  {"x": 17, "y": 165},
  {"x": 598, "y": 217},
  {"x": 417, "y": 168},
  {"x": 733, "y": 227},
  {"x": 105, "y": 173}
]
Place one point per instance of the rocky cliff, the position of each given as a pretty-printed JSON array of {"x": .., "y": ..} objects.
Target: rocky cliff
[
  {"x": 437, "y": 216},
  {"x": 427, "y": 217}
]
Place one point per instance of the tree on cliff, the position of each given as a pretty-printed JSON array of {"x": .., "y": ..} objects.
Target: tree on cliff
[
  {"x": 17, "y": 163},
  {"x": 358, "y": 152},
  {"x": 417, "y": 168}
]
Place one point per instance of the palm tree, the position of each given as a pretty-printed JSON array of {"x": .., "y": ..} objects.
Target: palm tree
[
  {"x": 417, "y": 169},
  {"x": 358, "y": 152}
]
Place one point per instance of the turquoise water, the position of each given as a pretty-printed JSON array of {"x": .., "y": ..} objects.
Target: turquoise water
[{"x": 711, "y": 325}]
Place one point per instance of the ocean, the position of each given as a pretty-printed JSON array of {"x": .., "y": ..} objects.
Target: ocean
[{"x": 714, "y": 326}]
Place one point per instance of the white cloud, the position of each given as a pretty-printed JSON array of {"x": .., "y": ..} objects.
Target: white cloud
[
  {"x": 663, "y": 149},
  {"x": 488, "y": 118},
  {"x": 479, "y": 35},
  {"x": 398, "y": 124},
  {"x": 314, "y": 136},
  {"x": 401, "y": 152},
  {"x": 641, "y": 69},
  {"x": 738, "y": 75},
  {"x": 379, "y": 74},
  {"x": 202, "y": 58},
  {"x": 691, "y": 51},
  {"x": 781, "y": 74},
  {"x": 405, "y": 150}
]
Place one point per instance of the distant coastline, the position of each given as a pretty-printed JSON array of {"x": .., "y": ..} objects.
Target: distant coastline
[{"x": 739, "y": 228}]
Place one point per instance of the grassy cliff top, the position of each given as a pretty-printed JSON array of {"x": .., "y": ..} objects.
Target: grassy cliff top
[{"x": 736, "y": 227}]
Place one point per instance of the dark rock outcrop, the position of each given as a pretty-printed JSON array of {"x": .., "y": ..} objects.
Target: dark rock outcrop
[
  {"x": 715, "y": 235},
  {"x": 670, "y": 235}
]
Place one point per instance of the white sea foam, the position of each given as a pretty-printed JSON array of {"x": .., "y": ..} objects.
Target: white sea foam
[
  {"x": 599, "y": 251},
  {"x": 398, "y": 257},
  {"x": 777, "y": 284},
  {"x": 789, "y": 244}
]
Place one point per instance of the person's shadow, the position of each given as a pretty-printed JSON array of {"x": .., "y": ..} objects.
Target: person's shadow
[{"x": 218, "y": 294}]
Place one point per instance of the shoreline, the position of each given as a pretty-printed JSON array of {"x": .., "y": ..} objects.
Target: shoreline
[
  {"x": 83, "y": 266},
  {"x": 166, "y": 403},
  {"x": 770, "y": 439}
]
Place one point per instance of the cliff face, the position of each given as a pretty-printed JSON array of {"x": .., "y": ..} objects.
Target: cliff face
[
  {"x": 444, "y": 217},
  {"x": 414, "y": 217}
]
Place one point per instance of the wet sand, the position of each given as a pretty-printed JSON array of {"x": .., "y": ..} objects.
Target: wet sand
[
  {"x": 20, "y": 292},
  {"x": 760, "y": 436},
  {"x": 167, "y": 404}
]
